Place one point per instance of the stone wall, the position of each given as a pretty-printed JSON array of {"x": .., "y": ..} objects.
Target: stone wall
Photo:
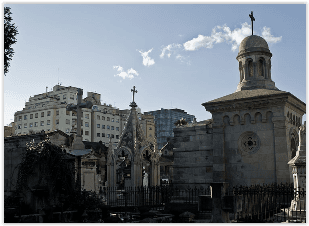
[{"x": 192, "y": 156}]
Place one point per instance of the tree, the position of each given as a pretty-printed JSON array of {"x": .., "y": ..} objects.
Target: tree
[{"x": 10, "y": 32}]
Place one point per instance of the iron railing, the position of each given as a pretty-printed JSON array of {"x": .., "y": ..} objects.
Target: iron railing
[
  {"x": 154, "y": 196},
  {"x": 269, "y": 203}
]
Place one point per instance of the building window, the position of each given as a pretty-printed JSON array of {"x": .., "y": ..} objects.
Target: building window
[
  {"x": 31, "y": 116},
  {"x": 117, "y": 136},
  {"x": 112, "y": 128},
  {"x": 87, "y": 133},
  {"x": 117, "y": 120},
  {"x": 112, "y": 135},
  {"x": 25, "y": 117},
  {"x": 19, "y": 127},
  {"x": 36, "y": 124},
  {"x": 98, "y": 117},
  {"x": 86, "y": 124},
  {"x": 67, "y": 130},
  {"x": 103, "y": 118},
  {"x": 48, "y": 122},
  {"x": 103, "y": 134},
  {"x": 67, "y": 121},
  {"x": 98, "y": 134},
  {"x": 64, "y": 96},
  {"x": 31, "y": 124},
  {"x": 150, "y": 128},
  {"x": 36, "y": 115},
  {"x": 98, "y": 126},
  {"x": 19, "y": 118},
  {"x": 107, "y": 135},
  {"x": 42, "y": 114},
  {"x": 42, "y": 123},
  {"x": 87, "y": 116},
  {"x": 107, "y": 126},
  {"x": 71, "y": 97},
  {"x": 67, "y": 112},
  {"x": 48, "y": 113},
  {"x": 25, "y": 125},
  {"x": 57, "y": 112},
  {"x": 57, "y": 121},
  {"x": 113, "y": 119},
  {"x": 117, "y": 128},
  {"x": 103, "y": 126},
  {"x": 108, "y": 119}
]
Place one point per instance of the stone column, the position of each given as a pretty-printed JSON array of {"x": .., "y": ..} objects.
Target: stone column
[
  {"x": 217, "y": 192},
  {"x": 218, "y": 149},
  {"x": 280, "y": 150}
]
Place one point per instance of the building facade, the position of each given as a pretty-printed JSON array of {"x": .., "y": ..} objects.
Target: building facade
[
  {"x": 164, "y": 123},
  {"x": 47, "y": 111}
]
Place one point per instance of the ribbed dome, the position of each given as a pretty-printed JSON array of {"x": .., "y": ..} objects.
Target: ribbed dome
[{"x": 254, "y": 42}]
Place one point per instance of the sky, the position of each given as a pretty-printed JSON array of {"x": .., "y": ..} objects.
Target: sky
[{"x": 176, "y": 55}]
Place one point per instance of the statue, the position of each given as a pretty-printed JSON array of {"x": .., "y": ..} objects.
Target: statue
[{"x": 302, "y": 135}]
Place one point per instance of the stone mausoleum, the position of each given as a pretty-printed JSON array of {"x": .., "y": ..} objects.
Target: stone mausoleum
[{"x": 252, "y": 134}]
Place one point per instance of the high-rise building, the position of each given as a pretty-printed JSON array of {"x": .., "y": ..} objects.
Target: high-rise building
[
  {"x": 47, "y": 111},
  {"x": 164, "y": 122}
]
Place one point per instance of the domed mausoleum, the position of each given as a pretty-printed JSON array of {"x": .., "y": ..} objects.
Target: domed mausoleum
[{"x": 253, "y": 132}]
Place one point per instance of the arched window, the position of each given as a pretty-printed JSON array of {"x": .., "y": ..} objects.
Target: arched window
[
  {"x": 250, "y": 68},
  {"x": 241, "y": 72},
  {"x": 261, "y": 67},
  {"x": 293, "y": 148}
]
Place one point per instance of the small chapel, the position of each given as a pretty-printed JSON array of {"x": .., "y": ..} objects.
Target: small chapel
[
  {"x": 135, "y": 161},
  {"x": 253, "y": 132}
]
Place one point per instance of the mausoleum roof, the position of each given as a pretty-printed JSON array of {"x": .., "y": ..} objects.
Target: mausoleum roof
[
  {"x": 244, "y": 94},
  {"x": 252, "y": 42}
]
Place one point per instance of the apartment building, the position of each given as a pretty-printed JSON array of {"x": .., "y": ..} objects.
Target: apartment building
[
  {"x": 164, "y": 122},
  {"x": 47, "y": 111}
]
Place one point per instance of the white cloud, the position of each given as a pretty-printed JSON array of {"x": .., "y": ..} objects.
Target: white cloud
[
  {"x": 268, "y": 37},
  {"x": 169, "y": 48},
  {"x": 147, "y": 61},
  {"x": 223, "y": 33},
  {"x": 183, "y": 59},
  {"x": 128, "y": 74}
]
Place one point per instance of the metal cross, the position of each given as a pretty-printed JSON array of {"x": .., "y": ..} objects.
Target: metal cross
[
  {"x": 134, "y": 91},
  {"x": 252, "y": 19}
]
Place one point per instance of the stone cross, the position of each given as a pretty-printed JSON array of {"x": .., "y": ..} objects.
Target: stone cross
[
  {"x": 134, "y": 91},
  {"x": 252, "y": 19},
  {"x": 78, "y": 107}
]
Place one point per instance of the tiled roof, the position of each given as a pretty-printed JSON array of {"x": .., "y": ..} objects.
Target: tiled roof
[{"x": 248, "y": 94}]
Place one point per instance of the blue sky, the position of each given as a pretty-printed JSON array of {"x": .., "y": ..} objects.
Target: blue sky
[{"x": 177, "y": 55}]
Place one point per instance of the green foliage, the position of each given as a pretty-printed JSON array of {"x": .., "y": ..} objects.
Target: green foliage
[
  {"x": 10, "y": 32},
  {"x": 47, "y": 163}
]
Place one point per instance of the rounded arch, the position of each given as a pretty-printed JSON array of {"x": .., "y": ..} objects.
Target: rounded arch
[
  {"x": 294, "y": 141},
  {"x": 269, "y": 116},
  {"x": 258, "y": 117},
  {"x": 247, "y": 118},
  {"x": 226, "y": 120},
  {"x": 236, "y": 119},
  {"x": 261, "y": 67},
  {"x": 249, "y": 63}
]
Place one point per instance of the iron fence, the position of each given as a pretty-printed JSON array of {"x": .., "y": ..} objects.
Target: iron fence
[
  {"x": 269, "y": 203},
  {"x": 154, "y": 196}
]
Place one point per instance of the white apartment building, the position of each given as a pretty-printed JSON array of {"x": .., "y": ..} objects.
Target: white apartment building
[{"x": 47, "y": 111}]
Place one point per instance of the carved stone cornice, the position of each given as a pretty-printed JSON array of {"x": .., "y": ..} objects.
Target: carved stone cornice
[
  {"x": 246, "y": 103},
  {"x": 296, "y": 105}
]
